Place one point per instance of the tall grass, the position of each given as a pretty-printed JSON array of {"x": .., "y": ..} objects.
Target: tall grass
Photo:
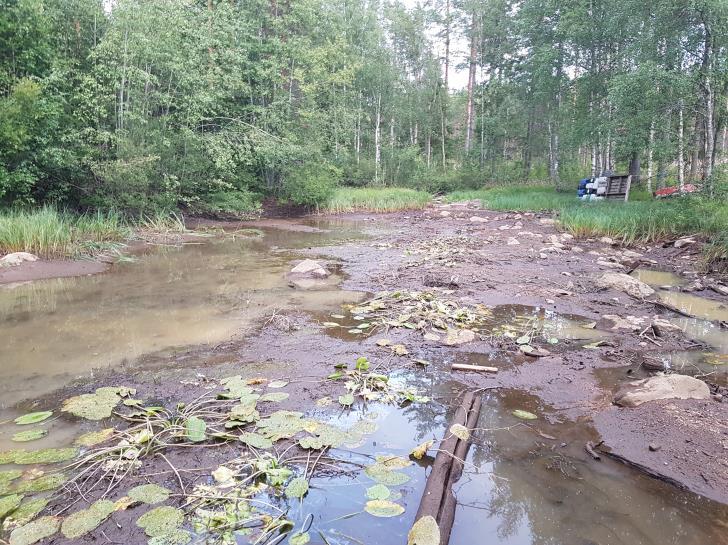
[
  {"x": 48, "y": 232},
  {"x": 518, "y": 198},
  {"x": 374, "y": 199}
]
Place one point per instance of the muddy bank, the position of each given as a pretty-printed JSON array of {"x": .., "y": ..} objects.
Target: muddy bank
[
  {"x": 527, "y": 481},
  {"x": 44, "y": 269}
]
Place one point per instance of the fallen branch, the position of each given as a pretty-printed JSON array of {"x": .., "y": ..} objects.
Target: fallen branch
[
  {"x": 438, "y": 500},
  {"x": 481, "y": 368}
]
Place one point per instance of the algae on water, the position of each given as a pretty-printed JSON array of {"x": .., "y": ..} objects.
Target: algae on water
[
  {"x": 34, "y": 531},
  {"x": 161, "y": 521},
  {"x": 149, "y": 493},
  {"x": 8, "y": 504},
  {"x": 98, "y": 405}
]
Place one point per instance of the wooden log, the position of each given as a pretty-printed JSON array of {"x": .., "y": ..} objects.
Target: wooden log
[
  {"x": 438, "y": 500},
  {"x": 481, "y": 368}
]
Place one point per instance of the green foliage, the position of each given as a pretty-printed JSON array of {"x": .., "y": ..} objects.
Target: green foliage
[
  {"x": 312, "y": 184},
  {"x": 374, "y": 199}
]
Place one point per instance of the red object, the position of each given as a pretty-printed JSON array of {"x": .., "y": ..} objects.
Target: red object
[{"x": 669, "y": 191}]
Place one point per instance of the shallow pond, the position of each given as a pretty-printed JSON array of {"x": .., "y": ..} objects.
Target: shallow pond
[{"x": 523, "y": 484}]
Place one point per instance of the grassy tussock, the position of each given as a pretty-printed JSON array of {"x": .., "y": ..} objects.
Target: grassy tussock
[
  {"x": 371, "y": 199},
  {"x": 48, "y": 232}
]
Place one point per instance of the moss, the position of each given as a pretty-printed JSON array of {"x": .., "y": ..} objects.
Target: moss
[
  {"x": 176, "y": 537},
  {"x": 27, "y": 511},
  {"x": 149, "y": 493},
  {"x": 161, "y": 521},
  {"x": 29, "y": 435},
  {"x": 6, "y": 477},
  {"x": 34, "y": 531},
  {"x": 86, "y": 520}
]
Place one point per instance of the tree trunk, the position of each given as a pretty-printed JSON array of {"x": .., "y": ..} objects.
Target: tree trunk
[
  {"x": 650, "y": 151},
  {"x": 378, "y": 139},
  {"x": 471, "y": 85},
  {"x": 681, "y": 147}
]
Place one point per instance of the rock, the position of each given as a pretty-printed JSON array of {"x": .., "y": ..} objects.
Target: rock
[
  {"x": 629, "y": 254},
  {"x": 542, "y": 256},
  {"x": 654, "y": 447},
  {"x": 512, "y": 241},
  {"x": 459, "y": 336},
  {"x": 631, "y": 323},
  {"x": 547, "y": 221},
  {"x": 567, "y": 236},
  {"x": 719, "y": 288},
  {"x": 478, "y": 219},
  {"x": 577, "y": 249},
  {"x": 610, "y": 264},
  {"x": 445, "y": 214},
  {"x": 661, "y": 323},
  {"x": 11, "y": 260},
  {"x": 503, "y": 228},
  {"x": 682, "y": 242},
  {"x": 310, "y": 267},
  {"x": 607, "y": 240},
  {"x": 626, "y": 283},
  {"x": 662, "y": 387}
]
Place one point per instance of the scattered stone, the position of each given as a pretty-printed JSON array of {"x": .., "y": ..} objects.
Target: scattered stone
[
  {"x": 662, "y": 387},
  {"x": 654, "y": 447},
  {"x": 631, "y": 323},
  {"x": 607, "y": 240},
  {"x": 577, "y": 249},
  {"x": 445, "y": 214},
  {"x": 610, "y": 264},
  {"x": 503, "y": 228},
  {"x": 478, "y": 219},
  {"x": 626, "y": 283},
  {"x": 682, "y": 242},
  {"x": 310, "y": 267},
  {"x": 459, "y": 336},
  {"x": 547, "y": 221},
  {"x": 16, "y": 258},
  {"x": 512, "y": 241}
]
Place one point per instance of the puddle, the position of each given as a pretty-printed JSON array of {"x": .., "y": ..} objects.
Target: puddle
[
  {"x": 517, "y": 488},
  {"x": 659, "y": 278},
  {"x": 54, "y": 331},
  {"x": 696, "y": 306}
]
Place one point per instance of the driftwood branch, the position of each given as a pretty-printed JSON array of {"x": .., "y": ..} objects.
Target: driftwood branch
[{"x": 438, "y": 500}]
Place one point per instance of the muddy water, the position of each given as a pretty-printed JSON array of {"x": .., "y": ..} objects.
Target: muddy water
[
  {"x": 517, "y": 488},
  {"x": 54, "y": 331},
  {"x": 658, "y": 278}
]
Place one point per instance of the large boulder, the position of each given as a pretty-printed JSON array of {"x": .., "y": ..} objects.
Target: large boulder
[
  {"x": 662, "y": 387},
  {"x": 626, "y": 283},
  {"x": 10, "y": 260}
]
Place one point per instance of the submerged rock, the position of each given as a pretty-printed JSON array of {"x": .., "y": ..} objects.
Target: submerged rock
[
  {"x": 310, "y": 267},
  {"x": 626, "y": 283},
  {"x": 662, "y": 387},
  {"x": 11, "y": 260}
]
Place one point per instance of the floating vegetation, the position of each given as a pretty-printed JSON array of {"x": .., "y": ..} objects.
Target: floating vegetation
[
  {"x": 149, "y": 494},
  {"x": 255, "y": 440},
  {"x": 297, "y": 488},
  {"x": 175, "y": 537},
  {"x": 383, "y": 508},
  {"x": 460, "y": 431},
  {"x": 41, "y": 483},
  {"x": 378, "y": 492},
  {"x": 33, "y": 418},
  {"x": 98, "y": 405},
  {"x": 34, "y": 531},
  {"x": 274, "y": 397},
  {"x": 371, "y": 386},
  {"x": 8, "y": 504},
  {"x": 43, "y": 456},
  {"x": 161, "y": 521},
  {"x": 524, "y": 415},
  {"x": 7, "y": 477},
  {"x": 424, "y": 532},
  {"x": 94, "y": 438},
  {"x": 29, "y": 435},
  {"x": 27, "y": 511},
  {"x": 82, "y": 522},
  {"x": 420, "y": 450}
]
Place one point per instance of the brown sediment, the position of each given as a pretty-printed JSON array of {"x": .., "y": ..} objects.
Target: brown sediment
[{"x": 44, "y": 269}]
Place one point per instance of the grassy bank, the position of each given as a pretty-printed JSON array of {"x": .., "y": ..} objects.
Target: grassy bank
[
  {"x": 642, "y": 219},
  {"x": 48, "y": 232},
  {"x": 374, "y": 199}
]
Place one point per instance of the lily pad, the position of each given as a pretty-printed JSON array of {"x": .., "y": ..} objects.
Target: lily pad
[
  {"x": 8, "y": 504},
  {"x": 93, "y": 438},
  {"x": 420, "y": 450},
  {"x": 385, "y": 476},
  {"x": 281, "y": 425},
  {"x": 175, "y": 537},
  {"x": 29, "y": 435},
  {"x": 33, "y": 418},
  {"x": 378, "y": 492},
  {"x": 195, "y": 429},
  {"x": 299, "y": 538},
  {"x": 44, "y": 456},
  {"x": 34, "y": 531},
  {"x": 347, "y": 400},
  {"x": 149, "y": 494},
  {"x": 82, "y": 522},
  {"x": 424, "y": 532},
  {"x": 98, "y": 405},
  {"x": 524, "y": 415},
  {"x": 255, "y": 440},
  {"x": 383, "y": 508},
  {"x": 274, "y": 397},
  {"x": 297, "y": 488},
  {"x": 43, "y": 483},
  {"x": 161, "y": 521},
  {"x": 27, "y": 511},
  {"x": 460, "y": 431},
  {"x": 278, "y": 384}
]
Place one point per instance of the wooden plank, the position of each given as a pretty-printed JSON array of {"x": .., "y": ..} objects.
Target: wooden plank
[{"x": 481, "y": 368}]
